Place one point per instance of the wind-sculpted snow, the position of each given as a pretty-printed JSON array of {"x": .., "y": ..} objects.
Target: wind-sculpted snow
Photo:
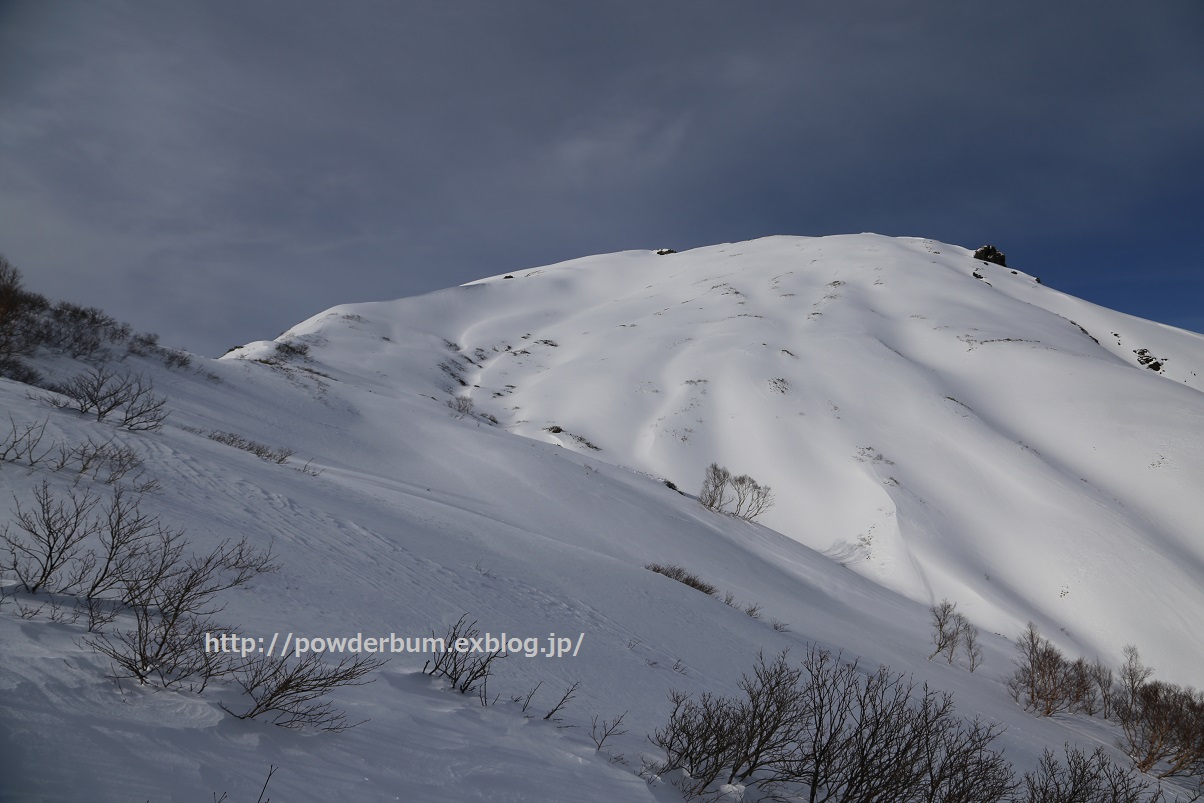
[{"x": 926, "y": 433}]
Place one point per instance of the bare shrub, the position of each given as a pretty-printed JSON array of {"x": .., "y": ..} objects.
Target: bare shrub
[
  {"x": 601, "y": 730},
  {"x": 55, "y": 550},
  {"x": 850, "y": 750},
  {"x": 769, "y": 718},
  {"x": 461, "y": 406},
  {"x": 97, "y": 390},
  {"x": 144, "y": 411},
  {"x": 465, "y": 670},
  {"x": 714, "y": 738},
  {"x": 163, "y": 652},
  {"x": 682, "y": 576},
  {"x": 46, "y": 553},
  {"x": 526, "y": 699},
  {"x": 746, "y": 497},
  {"x": 290, "y": 692},
  {"x": 946, "y": 629},
  {"x": 714, "y": 493},
  {"x": 952, "y": 632},
  {"x": 23, "y": 443},
  {"x": 28, "y": 611},
  {"x": 698, "y": 739},
  {"x": 752, "y": 498},
  {"x": 10, "y": 283},
  {"x": 1081, "y": 689},
  {"x": 1042, "y": 681},
  {"x": 124, "y": 535},
  {"x": 98, "y": 611},
  {"x": 957, "y": 764},
  {"x": 171, "y": 599},
  {"x": 970, "y": 646},
  {"x": 569, "y": 695},
  {"x": 101, "y": 391},
  {"x": 1105, "y": 682},
  {"x": 1133, "y": 674}
]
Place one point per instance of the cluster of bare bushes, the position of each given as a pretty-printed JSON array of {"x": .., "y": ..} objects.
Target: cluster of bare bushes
[
  {"x": 826, "y": 730},
  {"x": 1090, "y": 777},
  {"x": 149, "y": 602},
  {"x": 29, "y": 322},
  {"x": 147, "y": 599},
  {"x": 104, "y": 462},
  {"x": 113, "y": 559},
  {"x": 1162, "y": 724},
  {"x": 272, "y": 454},
  {"x": 830, "y": 731},
  {"x": 683, "y": 576}
]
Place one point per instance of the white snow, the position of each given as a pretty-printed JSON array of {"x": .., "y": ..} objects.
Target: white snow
[{"x": 927, "y": 434}]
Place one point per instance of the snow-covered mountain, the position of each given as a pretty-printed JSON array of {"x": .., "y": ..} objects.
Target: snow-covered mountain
[{"x": 932, "y": 426}]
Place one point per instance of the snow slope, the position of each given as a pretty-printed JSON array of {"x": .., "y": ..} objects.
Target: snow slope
[
  {"x": 927, "y": 433},
  {"x": 990, "y": 440}
]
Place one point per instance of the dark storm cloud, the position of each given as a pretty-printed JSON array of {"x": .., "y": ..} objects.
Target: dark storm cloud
[{"x": 218, "y": 171}]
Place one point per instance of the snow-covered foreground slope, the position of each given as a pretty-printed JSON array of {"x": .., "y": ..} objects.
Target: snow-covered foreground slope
[{"x": 927, "y": 433}]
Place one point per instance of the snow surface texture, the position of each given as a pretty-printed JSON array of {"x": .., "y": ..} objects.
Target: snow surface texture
[{"x": 927, "y": 433}]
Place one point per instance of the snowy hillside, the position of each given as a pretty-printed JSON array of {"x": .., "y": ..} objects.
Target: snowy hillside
[
  {"x": 932, "y": 427},
  {"x": 990, "y": 440}
]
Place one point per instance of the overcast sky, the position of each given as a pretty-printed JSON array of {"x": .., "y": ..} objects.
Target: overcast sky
[{"x": 217, "y": 171}]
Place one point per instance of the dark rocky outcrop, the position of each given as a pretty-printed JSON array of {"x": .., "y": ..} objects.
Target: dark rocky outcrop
[{"x": 989, "y": 253}]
